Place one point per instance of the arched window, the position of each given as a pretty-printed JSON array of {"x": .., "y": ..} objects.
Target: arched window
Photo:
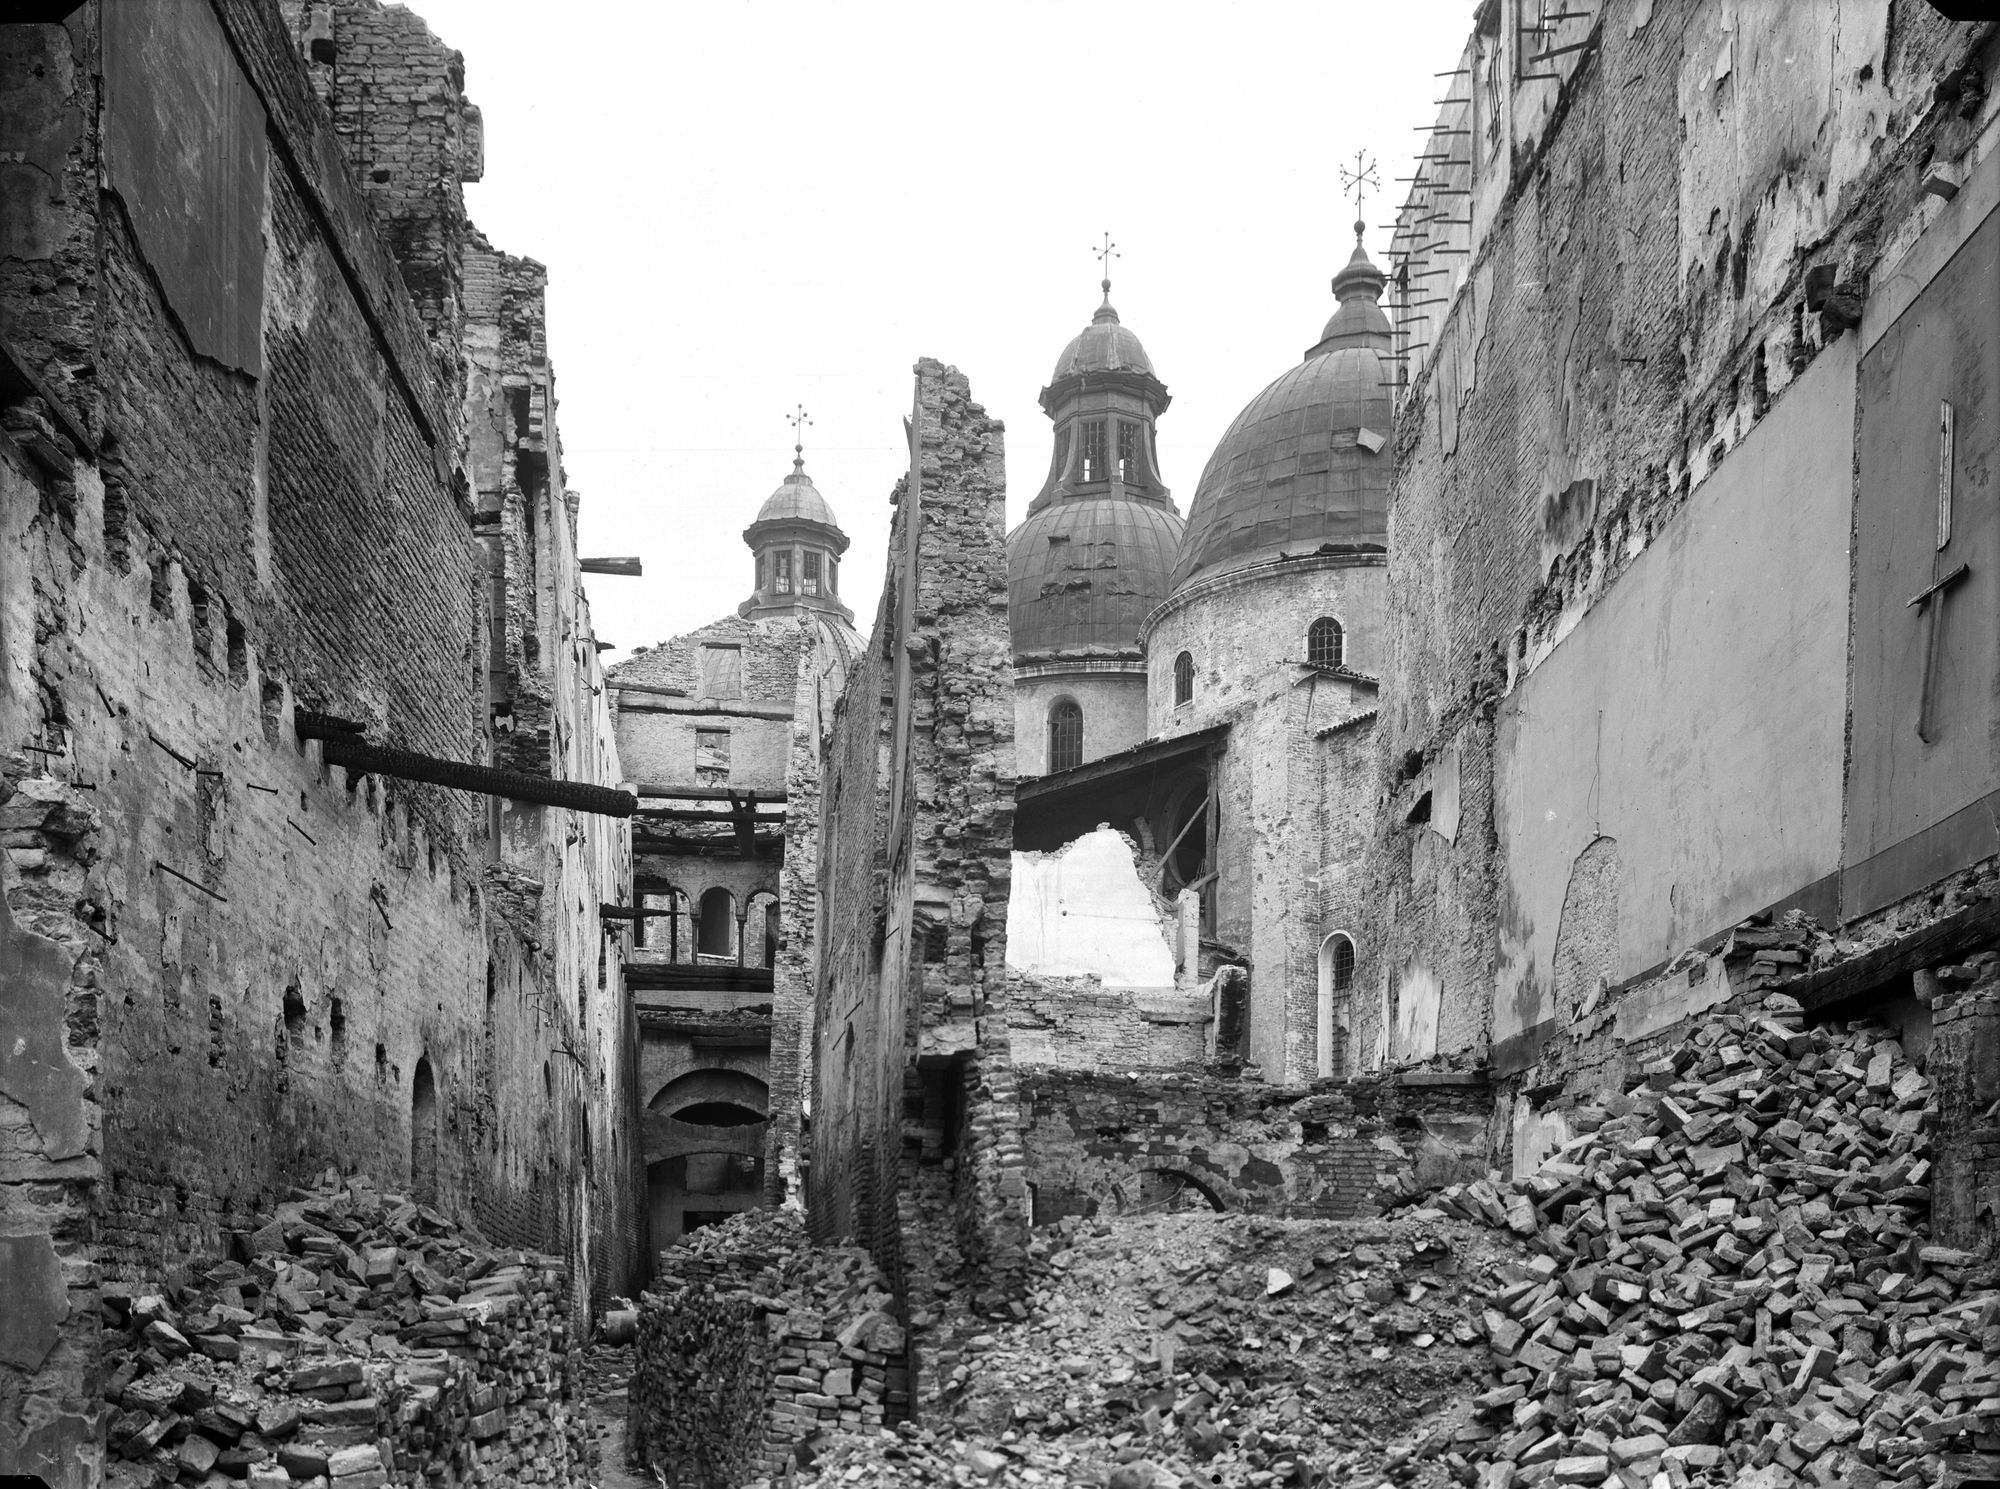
[
  {"x": 1183, "y": 679},
  {"x": 715, "y": 929},
  {"x": 1065, "y": 735},
  {"x": 1326, "y": 643}
]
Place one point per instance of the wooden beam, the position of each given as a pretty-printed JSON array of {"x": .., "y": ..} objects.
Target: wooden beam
[
  {"x": 1936, "y": 943},
  {"x": 654, "y": 790},
  {"x": 627, "y": 568}
]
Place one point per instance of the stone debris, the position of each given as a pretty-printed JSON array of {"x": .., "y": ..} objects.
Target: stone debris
[
  {"x": 1157, "y": 1354},
  {"x": 352, "y": 1340},
  {"x": 1725, "y": 1279},
  {"x": 1730, "y": 1280},
  {"x": 753, "y": 1343}
]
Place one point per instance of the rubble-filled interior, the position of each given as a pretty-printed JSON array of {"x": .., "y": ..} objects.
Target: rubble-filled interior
[{"x": 1471, "y": 958}]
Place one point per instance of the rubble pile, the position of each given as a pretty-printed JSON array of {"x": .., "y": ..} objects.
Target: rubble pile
[
  {"x": 1205, "y": 1349},
  {"x": 752, "y": 1343},
  {"x": 1731, "y": 1284},
  {"x": 354, "y": 1339}
]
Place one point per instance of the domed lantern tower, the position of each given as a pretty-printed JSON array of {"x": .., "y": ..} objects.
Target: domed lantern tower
[
  {"x": 797, "y": 546},
  {"x": 1093, "y": 556}
]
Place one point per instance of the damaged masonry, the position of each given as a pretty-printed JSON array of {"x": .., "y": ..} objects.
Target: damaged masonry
[{"x": 1468, "y": 954}]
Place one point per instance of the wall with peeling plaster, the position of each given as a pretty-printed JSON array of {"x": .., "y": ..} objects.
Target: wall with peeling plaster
[{"x": 1623, "y": 421}]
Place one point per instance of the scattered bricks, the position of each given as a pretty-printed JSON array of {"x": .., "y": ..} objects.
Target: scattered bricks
[
  {"x": 359, "y": 1405},
  {"x": 1735, "y": 1277},
  {"x": 751, "y": 1342}
]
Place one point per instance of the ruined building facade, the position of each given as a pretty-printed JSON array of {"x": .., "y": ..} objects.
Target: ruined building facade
[
  {"x": 914, "y": 1116},
  {"x": 1693, "y": 551},
  {"x": 721, "y": 731},
  {"x": 280, "y": 488},
  {"x": 1188, "y": 888}
]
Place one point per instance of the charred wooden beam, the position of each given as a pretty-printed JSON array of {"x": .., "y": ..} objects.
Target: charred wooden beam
[
  {"x": 722, "y": 819},
  {"x": 340, "y": 745},
  {"x": 654, "y": 791}
]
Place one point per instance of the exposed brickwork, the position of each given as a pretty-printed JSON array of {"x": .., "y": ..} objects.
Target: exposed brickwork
[
  {"x": 264, "y": 966},
  {"x": 914, "y": 862},
  {"x": 1338, "y": 1150}
]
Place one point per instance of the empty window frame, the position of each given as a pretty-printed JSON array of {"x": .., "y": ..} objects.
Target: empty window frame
[
  {"x": 722, "y": 673},
  {"x": 1065, "y": 735},
  {"x": 711, "y": 757},
  {"x": 809, "y": 573},
  {"x": 1128, "y": 450},
  {"x": 1093, "y": 450},
  {"x": 1326, "y": 643},
  {"x": 760, "y": 573},
  {"x": 781, "y": 579},
  {"x": 1183, "y": 679}
]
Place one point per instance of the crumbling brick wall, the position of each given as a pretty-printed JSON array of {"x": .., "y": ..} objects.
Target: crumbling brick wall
[
  {"x": 1102, "y": 1143},
  {"x": 917, "y": 807},
  {"x": 230, "y": 498}
]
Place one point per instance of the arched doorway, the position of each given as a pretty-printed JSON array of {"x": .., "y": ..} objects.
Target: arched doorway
[
  {"x": 1336, "y": 980},
  {"x": 705, "y": 1150},
  {"x": 424, "y": 1136}
]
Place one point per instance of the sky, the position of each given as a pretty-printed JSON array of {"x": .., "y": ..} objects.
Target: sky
[{"x": 748, "y": 205}]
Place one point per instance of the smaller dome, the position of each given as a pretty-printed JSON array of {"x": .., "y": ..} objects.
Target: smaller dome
[
  {"x": 1103, "y": 346},
  {"x": 797, "y": 500}
]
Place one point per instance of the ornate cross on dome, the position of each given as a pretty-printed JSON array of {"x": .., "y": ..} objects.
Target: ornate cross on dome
[
  {"x": 1359, "y": 181},
  {"x": 798, "y": 421},
  {"x": 1104, "y": 256}
]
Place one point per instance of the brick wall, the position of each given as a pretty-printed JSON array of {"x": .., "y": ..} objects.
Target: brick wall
[
  {"x": 253, "y": 955},
  {"x": 917, "y": 808},
  {"x": 1339, "y": 1149}
]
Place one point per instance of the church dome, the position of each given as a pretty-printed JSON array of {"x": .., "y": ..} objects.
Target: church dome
[
  {"x": 796, "y": 500},
  {"x": 1306, "y": 463},
  {"x": 1102, "y": 346},
  {"x": 1082, "y": 575}
]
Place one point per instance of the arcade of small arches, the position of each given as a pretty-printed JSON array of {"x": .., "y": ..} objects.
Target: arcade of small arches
[{"x": 713, "y": 928}]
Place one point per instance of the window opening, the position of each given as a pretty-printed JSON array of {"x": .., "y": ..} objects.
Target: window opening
[
  {"x": 1065, "y": 735},
  {"x": 782, "y": 572},
  {"x": 715, "y": 930},
  {"x": 760, "y": 571},
  {"x": 1326, "y": 643},
  {"x": 711, "y": 757},
  {"x": 424, "y": 1135},
  {"x": 1183, "y": 679},
  {"x": 722, "y": 672},
  {"x": 1093, "y": 450},
  {"x": 1128, "y": 451},
  {"x": 809, "y": 580}
]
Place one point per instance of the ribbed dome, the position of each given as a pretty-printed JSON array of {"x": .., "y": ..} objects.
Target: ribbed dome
[
  {"x": 1292, "y": 472},
  {"x": 796, "y": 500},
  {"x": 1087, "y": 591},
  {"x": 1103, "y": 346}
]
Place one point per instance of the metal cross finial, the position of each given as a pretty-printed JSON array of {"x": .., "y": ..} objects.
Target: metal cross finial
[
  {"x": 798, "y": 421},
  {"x": 1104, "y": 256},
  {"x": 1360, "y": 181}
]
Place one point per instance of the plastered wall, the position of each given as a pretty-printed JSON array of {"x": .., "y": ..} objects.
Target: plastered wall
[{"x": 1625, "y": 487}]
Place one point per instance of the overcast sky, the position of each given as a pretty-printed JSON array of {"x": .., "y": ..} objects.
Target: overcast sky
[{"x": 746, "y": 206}]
